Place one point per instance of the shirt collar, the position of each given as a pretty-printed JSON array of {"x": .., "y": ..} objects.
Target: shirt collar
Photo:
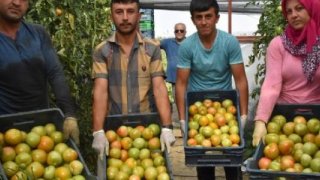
[{"x": 112, "y": 38}]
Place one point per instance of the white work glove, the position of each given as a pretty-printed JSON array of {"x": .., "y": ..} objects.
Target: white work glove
[
  {"x": 100, "y": 143},
  {"x": 167, "y": 139},
  {"x": 259, "y": 132},
  {"x": 243, "y": 119},
  {"x": 71, "y": 129},
  {"x": 182, "y": 127}
]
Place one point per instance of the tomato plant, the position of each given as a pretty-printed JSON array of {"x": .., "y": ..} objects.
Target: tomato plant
[
  {"x": 76, "y": 27},
  {"x": 271, "y": 24}
]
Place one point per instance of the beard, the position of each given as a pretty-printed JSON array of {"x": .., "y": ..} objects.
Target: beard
[
  {"x": 11, "y": 18},
  {"x": 126, "y": 29}
]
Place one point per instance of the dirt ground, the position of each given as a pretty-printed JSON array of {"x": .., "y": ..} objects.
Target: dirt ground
[{"x": 180, "y": 170}]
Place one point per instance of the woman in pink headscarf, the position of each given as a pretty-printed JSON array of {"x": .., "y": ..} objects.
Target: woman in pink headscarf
[{"x": 292, "y": 63}]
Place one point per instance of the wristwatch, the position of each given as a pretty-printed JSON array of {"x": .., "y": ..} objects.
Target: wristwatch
[{"x": 170, "y": 126}]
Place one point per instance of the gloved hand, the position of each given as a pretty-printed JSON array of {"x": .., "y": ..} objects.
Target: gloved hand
[
  {"x": 182, "y": 127},
  {"x": 259, "y": 132},
  {"x": 71, "y": 129},
  {"x": 243, "y": 119},
  {"x": 167, "y": 139},
  {"x": 100, "y": 143}
]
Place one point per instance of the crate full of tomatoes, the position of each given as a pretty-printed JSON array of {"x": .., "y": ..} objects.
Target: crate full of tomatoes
[
  {"x": 33, "y": 147},
  {"x": 135, "y": 148},
  {"x": 291, "y": 147},
  {"x": 213, "y": 131}
]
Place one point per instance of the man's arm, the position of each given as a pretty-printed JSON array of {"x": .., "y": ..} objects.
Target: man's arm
[
  {"x": 160, "y": 92},
  {"x": 62, "y": 93},
  {"x": 241, "y": 82},
  {"x": 59, "y": 86},
  {"x": 162, "y": 100},
  {"x": 55, "y": 74},
  {"x": 100, "y": 105},
  {"x": 181, "y": 87}
]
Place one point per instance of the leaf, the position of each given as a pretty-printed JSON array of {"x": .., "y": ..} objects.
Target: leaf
[{"x": 71, "y": 21}]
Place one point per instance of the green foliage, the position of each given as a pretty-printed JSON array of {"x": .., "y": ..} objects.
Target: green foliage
[
  {"x": 168, "y": 85},
  {"x": 76, "y": 27},
  {"x": 271, "y": 24}
]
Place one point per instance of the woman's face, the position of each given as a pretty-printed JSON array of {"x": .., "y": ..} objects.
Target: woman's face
[{"x": 297, "y": 15}]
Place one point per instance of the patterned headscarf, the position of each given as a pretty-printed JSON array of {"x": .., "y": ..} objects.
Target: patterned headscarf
[{"x": 305, "y": 42}]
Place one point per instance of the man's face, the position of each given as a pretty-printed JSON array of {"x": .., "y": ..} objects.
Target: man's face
[
  {"x": 205, "y": 21},
  {"x": 180, "y": 32},
  {"x": 13, "y": 10},
  {"x": 125, "y": 17}
]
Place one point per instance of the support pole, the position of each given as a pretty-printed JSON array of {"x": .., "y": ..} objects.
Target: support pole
[{"x": 230, "y": 16}]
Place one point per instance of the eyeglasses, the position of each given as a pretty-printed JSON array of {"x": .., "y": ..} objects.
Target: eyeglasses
[{"x": 179, "y": 30}]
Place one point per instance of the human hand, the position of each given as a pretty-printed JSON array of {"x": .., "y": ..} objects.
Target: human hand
[
  {"x": 259, "y": 132},
  {"x": 100, "y": 143},
  {"x": 71, "y": 129},
  {"x": 167, "y": 139},
  {"x": 243, "y": 119},
  {"x": 182, "y": 127}
]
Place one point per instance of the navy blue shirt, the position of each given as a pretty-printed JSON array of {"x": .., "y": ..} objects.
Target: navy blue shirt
[
  {"x": 171, "y": 47},
  {"x": 28, "y": 65}
]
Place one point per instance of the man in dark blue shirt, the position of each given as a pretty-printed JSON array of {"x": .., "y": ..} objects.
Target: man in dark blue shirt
[
  {"x": 171, "y": 46},
  {"x": 28, "y": 63}
]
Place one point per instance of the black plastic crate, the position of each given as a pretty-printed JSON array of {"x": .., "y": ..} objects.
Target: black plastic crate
[
  {"x": 133, "y": 120},
  {"x": 27, "y": 120},
  {"x": 256, "y": 173},
  {"x": 289, "y": 111},
  {"x": 213, "y": 156}
]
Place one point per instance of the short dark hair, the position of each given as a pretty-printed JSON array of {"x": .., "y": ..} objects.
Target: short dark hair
[
  {"x": 126, "y": 2},
  {"x": 203, "y": 5}
]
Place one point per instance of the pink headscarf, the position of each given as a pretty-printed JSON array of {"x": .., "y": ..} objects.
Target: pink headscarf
[
  {"x": 305, "y": 42},
  {"x": 312, "y": 29}
]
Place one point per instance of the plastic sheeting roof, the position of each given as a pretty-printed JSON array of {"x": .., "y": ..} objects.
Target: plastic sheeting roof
[{"x": 237, "y": 5}]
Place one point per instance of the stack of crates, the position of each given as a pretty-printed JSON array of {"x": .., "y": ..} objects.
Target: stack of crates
[{"x": 147, "y": 23}]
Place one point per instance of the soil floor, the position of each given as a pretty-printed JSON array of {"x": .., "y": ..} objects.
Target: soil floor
[{"x": 177, "y": 158}]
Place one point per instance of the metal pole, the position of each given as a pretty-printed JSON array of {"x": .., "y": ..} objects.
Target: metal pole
[{"x": 230, "y": 16}]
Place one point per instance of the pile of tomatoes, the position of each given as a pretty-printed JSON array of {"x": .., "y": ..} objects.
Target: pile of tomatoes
[
  {"x": 39, "y": 153},
  {"x": 292, "y": 146}
]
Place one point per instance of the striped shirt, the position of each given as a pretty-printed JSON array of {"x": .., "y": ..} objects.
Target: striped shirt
[{"x": 130, "y": 80}]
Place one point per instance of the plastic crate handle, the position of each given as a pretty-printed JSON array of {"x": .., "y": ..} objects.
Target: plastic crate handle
[
  {"x": 132, "y": 122},
  {"x": 23, "y": 123},
  {"x": 213, "y": 161},
  {"x": 304, "y": 111},
  {"x": 212, "y": 96}
]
